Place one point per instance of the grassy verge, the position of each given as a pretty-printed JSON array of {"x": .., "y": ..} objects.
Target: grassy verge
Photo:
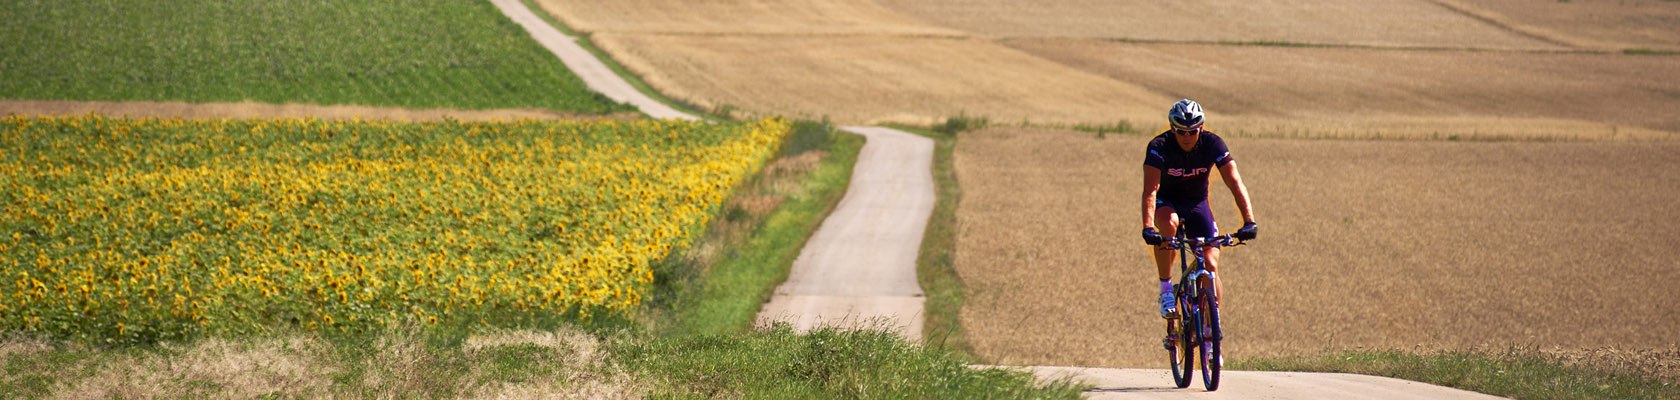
[
  {"x": 775, "y": 363},
  {"x": 738, "y": 271},
  {"x": 935, "y": 266},
  {"x": 396, "y": 364},
  {"x": 778, "y": 363},
  {"x": 381, "y": 52},
  {"x": 1514, "y": 373}
]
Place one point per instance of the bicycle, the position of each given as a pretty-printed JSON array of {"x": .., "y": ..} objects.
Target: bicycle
[{"x": 1197, "y": 321}]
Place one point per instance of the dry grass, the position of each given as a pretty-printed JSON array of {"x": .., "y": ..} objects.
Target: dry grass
[
  {"x": 1379, "y": 244},
  {"x": 1355, "y": 22},
  {"x": 862, "y": 79},
  {"x": 754, "y": 202},
  {"x": 21, "y": 347},
  {"x": 1446, "y": 93},
  {"x": 175, "y": 109},
  {"x": 213, "y": 368},
  {"x": 798, "y": 17},
  {"x": 564, "y": 364},
  {"x": 586, "y": 375},
  {"x": 1661, "y": 363}
]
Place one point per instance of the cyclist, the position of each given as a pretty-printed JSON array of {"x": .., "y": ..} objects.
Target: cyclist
[{"x": 1175, "y": 189}]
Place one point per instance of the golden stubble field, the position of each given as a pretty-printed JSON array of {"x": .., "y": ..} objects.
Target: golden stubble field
[
  {"x": 1379, "y": 244},
  {"x": 872, "y": 80},
  {"x": 1067, "y": 62}
]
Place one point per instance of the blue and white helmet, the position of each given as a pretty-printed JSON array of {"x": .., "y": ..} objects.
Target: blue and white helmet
[{"x": 1185, "y": 114}]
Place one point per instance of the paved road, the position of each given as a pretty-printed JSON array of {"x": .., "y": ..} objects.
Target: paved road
[
  {"x": 860, "y": 266},
  {"x": 859, "y": 269},
  {"x": 1113, "y": 383},
  {"x": 595, "y": 74}
]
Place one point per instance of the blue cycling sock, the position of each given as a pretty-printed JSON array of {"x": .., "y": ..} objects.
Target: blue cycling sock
[{"x": 1166, "y": 285}]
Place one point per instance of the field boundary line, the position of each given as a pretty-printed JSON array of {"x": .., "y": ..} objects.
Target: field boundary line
[
  {"x": 1499, "y": 21},
  {"x": 1312, "y": 45}
]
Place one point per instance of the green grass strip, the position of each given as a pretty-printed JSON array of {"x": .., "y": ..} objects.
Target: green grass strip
[
  {"x": 935, "y": 265},
  {"x": 729, "y": 297},
  {"x": 405, "y": 53},
  {"x": 825, "y": 363}
]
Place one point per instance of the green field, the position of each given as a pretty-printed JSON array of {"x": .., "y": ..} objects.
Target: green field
[{"x": 404, "y": 53}]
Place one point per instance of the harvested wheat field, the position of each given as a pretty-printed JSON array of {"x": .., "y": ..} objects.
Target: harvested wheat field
[
  {"x": 1508, "y": 94},
  {"x": 1479, "y": 69},
  {"x": 1388, "y": 244},
  {"x": 1597, "y": 25},
  {"x": 865, "y": 79},
  {"x": 1382, "y": 23}
]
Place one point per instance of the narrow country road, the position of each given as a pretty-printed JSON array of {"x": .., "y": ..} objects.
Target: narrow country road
[
  {"x": 1115, "y": 383},
  {"x": 594, "y": 73},
  {"x": 859, "y": 269}
]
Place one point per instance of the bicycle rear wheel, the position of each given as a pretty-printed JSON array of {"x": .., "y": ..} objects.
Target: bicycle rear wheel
[{"x": 1211, "y": 335}]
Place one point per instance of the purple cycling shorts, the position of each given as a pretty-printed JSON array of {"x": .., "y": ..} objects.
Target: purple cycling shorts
[{"x": 1195, "y": 217}]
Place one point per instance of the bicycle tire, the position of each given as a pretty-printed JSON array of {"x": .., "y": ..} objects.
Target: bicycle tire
[{"x": 1209, "y": 348}]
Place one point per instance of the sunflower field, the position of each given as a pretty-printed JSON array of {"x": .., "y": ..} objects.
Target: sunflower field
[{"x": 140, "y": 230}]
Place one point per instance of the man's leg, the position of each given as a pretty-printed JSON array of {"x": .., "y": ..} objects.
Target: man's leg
[
  {"x": 1166, "y": 222},
  {"x": 1212, "y": 256},
  {"x": 1198, "y": 222}
]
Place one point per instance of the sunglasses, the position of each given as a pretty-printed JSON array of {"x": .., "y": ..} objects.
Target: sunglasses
[{"x": 1187, "y": 131}]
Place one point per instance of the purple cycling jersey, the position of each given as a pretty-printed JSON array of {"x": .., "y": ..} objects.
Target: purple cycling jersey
[{"x": 1184, "y": 174}]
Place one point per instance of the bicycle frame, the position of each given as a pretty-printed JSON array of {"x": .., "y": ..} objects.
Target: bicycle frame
[{"x": 1196, "y": 327}]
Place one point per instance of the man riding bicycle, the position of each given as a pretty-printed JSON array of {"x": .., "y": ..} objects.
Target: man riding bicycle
[{"x": 1175, "y": 189}]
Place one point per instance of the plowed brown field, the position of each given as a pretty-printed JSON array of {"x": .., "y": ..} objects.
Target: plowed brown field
[{"x": 1430, "y": 245}]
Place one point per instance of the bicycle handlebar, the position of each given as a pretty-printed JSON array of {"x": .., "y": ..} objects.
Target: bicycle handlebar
[{"x": 1216, "y": 241}]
